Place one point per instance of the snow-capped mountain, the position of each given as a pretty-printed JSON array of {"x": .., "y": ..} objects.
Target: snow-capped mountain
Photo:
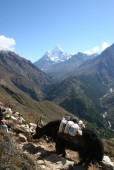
[{"x": 57, "y": 55}]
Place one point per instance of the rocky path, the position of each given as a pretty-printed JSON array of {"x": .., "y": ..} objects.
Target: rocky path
[{"x": 45, "y": 156}]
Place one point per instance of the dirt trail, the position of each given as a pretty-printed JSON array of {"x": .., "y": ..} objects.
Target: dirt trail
[{"x": 43, "y": 153}]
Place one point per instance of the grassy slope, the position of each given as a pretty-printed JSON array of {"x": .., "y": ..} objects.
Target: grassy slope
[{"x": 29, "y": 108}]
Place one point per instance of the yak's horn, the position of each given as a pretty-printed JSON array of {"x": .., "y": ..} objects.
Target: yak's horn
[{"x": 39, "y": 122}]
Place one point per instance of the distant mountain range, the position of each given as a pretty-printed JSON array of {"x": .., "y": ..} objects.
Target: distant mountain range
[
  {"x": 59, "y": 64},
  {"x": 84, "y": 84}
]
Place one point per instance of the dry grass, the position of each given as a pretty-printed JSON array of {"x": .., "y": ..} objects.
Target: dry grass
[{"x": 11, "y": 157}]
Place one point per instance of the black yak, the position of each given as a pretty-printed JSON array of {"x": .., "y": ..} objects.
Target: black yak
[{"x": 88, "y": 145}]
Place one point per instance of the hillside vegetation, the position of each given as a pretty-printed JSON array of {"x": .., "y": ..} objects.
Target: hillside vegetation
[{"x": 30, "y": 109}]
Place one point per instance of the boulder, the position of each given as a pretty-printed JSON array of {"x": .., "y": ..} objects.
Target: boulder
[
  {"x": 18, "y": 129},
  {"x": 22, "y": 138},
  {"x": 107, "y": 164},
  {"x": 14, "y": 118}
]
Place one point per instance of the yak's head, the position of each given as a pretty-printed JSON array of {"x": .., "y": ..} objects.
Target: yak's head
[{"x": 39, "y": 130}]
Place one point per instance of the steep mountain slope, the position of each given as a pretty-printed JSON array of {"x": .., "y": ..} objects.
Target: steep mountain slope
[
  {"x": 29, "y": 108},
  {"x": 102, "y": 67},
  {"x": 20, "y": 83},
  {"x": 19, "y": 72},
  {"x": 108, "y": 103},
  {"x": 79, "y": 97},
  {"x": 81, "y": 93}
]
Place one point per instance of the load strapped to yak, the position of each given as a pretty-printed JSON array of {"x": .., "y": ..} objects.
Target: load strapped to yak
[{"x": 70, "y": 127}]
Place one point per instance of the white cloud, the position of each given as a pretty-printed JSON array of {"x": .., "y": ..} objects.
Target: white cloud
[
  {"x": 7, "y": 43},
  {"x": 95, "y": 49},
  {"x": 105, "y": 45},
  {"x": 98, "y": 49},
  {"x": 87, "y": 52}
]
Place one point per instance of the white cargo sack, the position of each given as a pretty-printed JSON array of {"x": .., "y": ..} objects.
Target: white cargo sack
[
  {"x": 70, "y": 128},
  {"x": 73, "y": 130},
  {"x": 68, "y": 125}
]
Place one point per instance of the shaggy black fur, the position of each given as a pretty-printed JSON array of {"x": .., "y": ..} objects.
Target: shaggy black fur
[
  {"x": 50, "y": 130},
  {"x": 88, "y": 145}
]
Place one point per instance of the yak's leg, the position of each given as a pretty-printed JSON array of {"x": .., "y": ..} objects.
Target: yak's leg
[
  {"x": 81, "y": 162},
  {"x": 84, "y": 162},
  {"x": 60, "y": 149},
  {"x": 87, "y": 162}
]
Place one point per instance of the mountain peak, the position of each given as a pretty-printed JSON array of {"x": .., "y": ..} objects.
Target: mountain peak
[
  {"x": 57, "y": 49},
  {"x": 57, "y": 55}
]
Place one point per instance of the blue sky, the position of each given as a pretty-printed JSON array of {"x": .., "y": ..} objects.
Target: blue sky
[{"x": 31, "y": 27}]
